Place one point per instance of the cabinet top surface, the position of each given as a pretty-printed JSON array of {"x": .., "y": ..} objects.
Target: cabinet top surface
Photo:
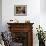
[{"x": 19, "y": 23}]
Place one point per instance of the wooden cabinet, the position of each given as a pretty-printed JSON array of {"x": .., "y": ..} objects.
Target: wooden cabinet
[{"x": 22, "y": 33}]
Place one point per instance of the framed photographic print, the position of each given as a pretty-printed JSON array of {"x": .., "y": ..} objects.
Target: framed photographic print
[{"x": 20, "y": 10}]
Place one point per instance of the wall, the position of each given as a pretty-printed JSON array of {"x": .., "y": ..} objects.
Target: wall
[
  {"x": 33, "y": 10},
  {"x": 0, "y": 15},
  {"x": 43, "y": 6},
  {"x": 43, "y": 14},
  {"x": 34, "y": 14}
]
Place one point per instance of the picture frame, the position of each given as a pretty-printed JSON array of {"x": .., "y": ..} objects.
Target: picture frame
[{"x": 20, "y": 10}]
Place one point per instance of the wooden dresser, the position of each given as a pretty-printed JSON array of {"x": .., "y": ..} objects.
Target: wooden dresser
[{"x": 22, "y": 33}]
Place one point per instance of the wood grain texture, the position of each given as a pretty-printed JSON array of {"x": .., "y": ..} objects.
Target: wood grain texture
[{"x": 23, "y": 27}]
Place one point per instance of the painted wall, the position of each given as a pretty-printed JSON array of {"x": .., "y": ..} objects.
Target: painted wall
[
  {"x": 0, "y": 15},
  {"x": 43, "y": 14},
  {"x": 43, "y": 6},
  {"x": 33, "y": 11},
  {"x": 34, "y": 14}
]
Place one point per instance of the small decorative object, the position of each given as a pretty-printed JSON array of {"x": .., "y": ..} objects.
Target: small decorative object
[
  {"x": 20, "y": 10},
  {"x": 27, "y": 21},
  {"x": 41, "y": 36},
  {"x": 13, "y": 21}
]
